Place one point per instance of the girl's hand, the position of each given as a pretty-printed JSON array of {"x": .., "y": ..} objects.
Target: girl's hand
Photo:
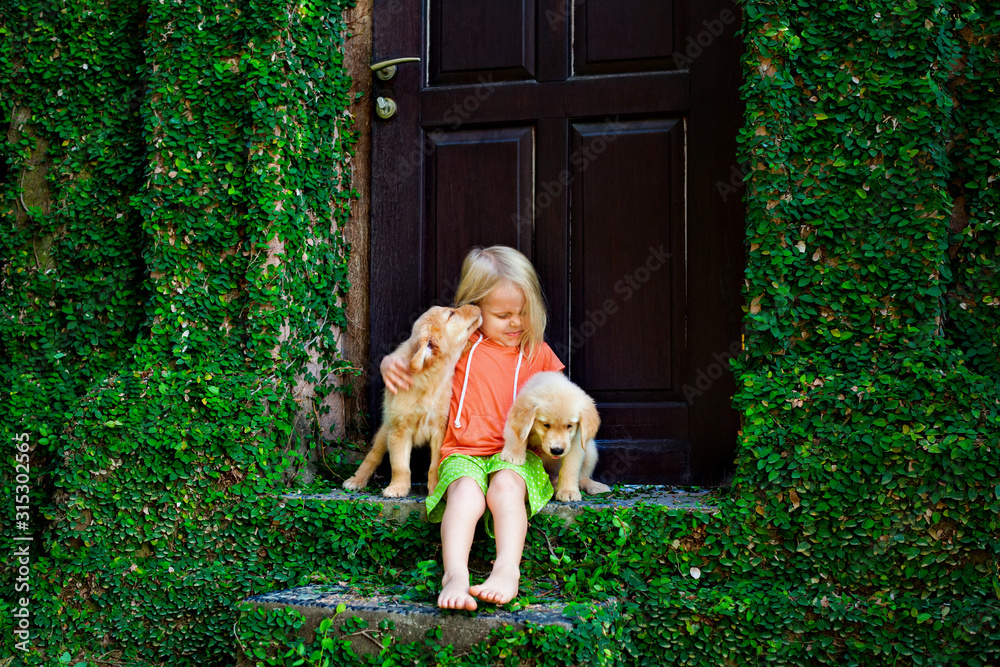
[{"x": 396, "y": 373}]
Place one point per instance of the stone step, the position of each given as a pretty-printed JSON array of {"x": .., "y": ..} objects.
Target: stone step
[
  {"x": 368, "y": 534},
  {"x": 678, "y": 621},
  {"x": 399, "y": 509},
  {"x": 654, "y": 551},
  {"x": 369, "y": 621},
  {"x": 578, "y": 556}
]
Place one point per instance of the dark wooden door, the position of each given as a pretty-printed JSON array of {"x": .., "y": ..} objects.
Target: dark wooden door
[{"x": 593, "y": 136}]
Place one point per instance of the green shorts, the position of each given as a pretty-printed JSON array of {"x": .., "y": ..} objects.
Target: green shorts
[{"x": 481, "y": 468}]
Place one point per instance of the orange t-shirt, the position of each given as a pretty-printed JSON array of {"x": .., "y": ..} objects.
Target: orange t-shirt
[{"x": 489, "y": 395}]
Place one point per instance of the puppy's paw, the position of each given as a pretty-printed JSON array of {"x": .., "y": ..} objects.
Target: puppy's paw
[
  {"x": 396, "y": 491},
  {"x": 355, "y": 483},
  {"x": 590, "y": 487},
  {"x": 517, "y": 458},
  {"x": 568, "y": 495}
]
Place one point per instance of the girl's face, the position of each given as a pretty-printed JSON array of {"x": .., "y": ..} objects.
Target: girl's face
[{"x": 502, "y": 316}]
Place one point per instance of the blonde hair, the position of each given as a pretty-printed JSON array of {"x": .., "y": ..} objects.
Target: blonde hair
[{"x": 486, "y": 269}]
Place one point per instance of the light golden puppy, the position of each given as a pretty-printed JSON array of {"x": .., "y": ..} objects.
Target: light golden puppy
[
  {"x": 419, "y": 415},
  {"x": 558, "y": 420}
]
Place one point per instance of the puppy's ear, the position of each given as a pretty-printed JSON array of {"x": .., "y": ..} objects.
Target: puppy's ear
[
  {"x": 521, "y": 419},
  {"x": 590, "y": 421},
  {"x": 423, "y": 352}
]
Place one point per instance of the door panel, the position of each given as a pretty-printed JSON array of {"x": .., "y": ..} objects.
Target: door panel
[
  {"x": 615, "y": 36},
  {"x": 469, "y": 39},
  {"x": 561, "y": 128},
  {"x": 628, "y": 222},
  {"x": 479, "y": 186}
]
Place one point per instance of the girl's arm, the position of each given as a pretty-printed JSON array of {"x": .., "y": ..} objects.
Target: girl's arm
[{"x": 395, "y": 370}]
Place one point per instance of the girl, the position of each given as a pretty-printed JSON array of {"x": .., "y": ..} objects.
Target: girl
[{"x": 506, "y": 350}]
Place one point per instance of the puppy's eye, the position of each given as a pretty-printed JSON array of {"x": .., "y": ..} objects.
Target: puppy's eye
[
  {"x": 546, "y": 426},
  {"x": 451, "y": 313},
  {"x": 569, "y": 427}
]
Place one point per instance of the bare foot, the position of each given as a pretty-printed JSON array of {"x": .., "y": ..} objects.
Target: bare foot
[
  {"x": 501, "y": 587},
  {"x": 455, "y": 592}
]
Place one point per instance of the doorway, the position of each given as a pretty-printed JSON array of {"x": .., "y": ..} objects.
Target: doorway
[{"x": 598, "y": 137}]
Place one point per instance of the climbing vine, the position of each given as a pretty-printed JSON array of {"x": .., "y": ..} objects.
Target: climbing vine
[
  {"x": 870, "y": 449},
  {"x": 173, "y": 270}
]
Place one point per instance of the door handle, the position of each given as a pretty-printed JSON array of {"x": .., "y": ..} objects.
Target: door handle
[
  {"x": 386, "y": 69},
  {"x": 385, "y": 107}
]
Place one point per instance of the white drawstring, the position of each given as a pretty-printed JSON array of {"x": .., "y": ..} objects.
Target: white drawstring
[
  {"x": 520, "y": 356},
  {"x": 465, "y": 382},
  {"x": 468, "y": 372}
]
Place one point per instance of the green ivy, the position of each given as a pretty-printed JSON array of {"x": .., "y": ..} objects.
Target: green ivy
[
  {"x": 173, "y": 267},
  {"x": 634, "y": 569},
  {"x": 870, "y": 449},
  {"x": 972, "y": 314}
]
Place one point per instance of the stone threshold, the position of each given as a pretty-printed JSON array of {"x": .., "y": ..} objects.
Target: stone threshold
[{"x": 623, "y": 496}]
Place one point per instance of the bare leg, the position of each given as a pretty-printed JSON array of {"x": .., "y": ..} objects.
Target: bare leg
[
  {"x": 505, "y": 497},
  {"x": 465, "y": 504}
]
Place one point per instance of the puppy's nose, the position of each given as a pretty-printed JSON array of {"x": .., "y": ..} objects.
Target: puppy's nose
[{"x": 556, "y": 451}]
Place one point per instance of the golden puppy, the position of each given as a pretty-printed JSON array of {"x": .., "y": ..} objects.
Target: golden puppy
[
  {"x": 419, "y": 414},
  {"x": 559, "y": 420}
]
